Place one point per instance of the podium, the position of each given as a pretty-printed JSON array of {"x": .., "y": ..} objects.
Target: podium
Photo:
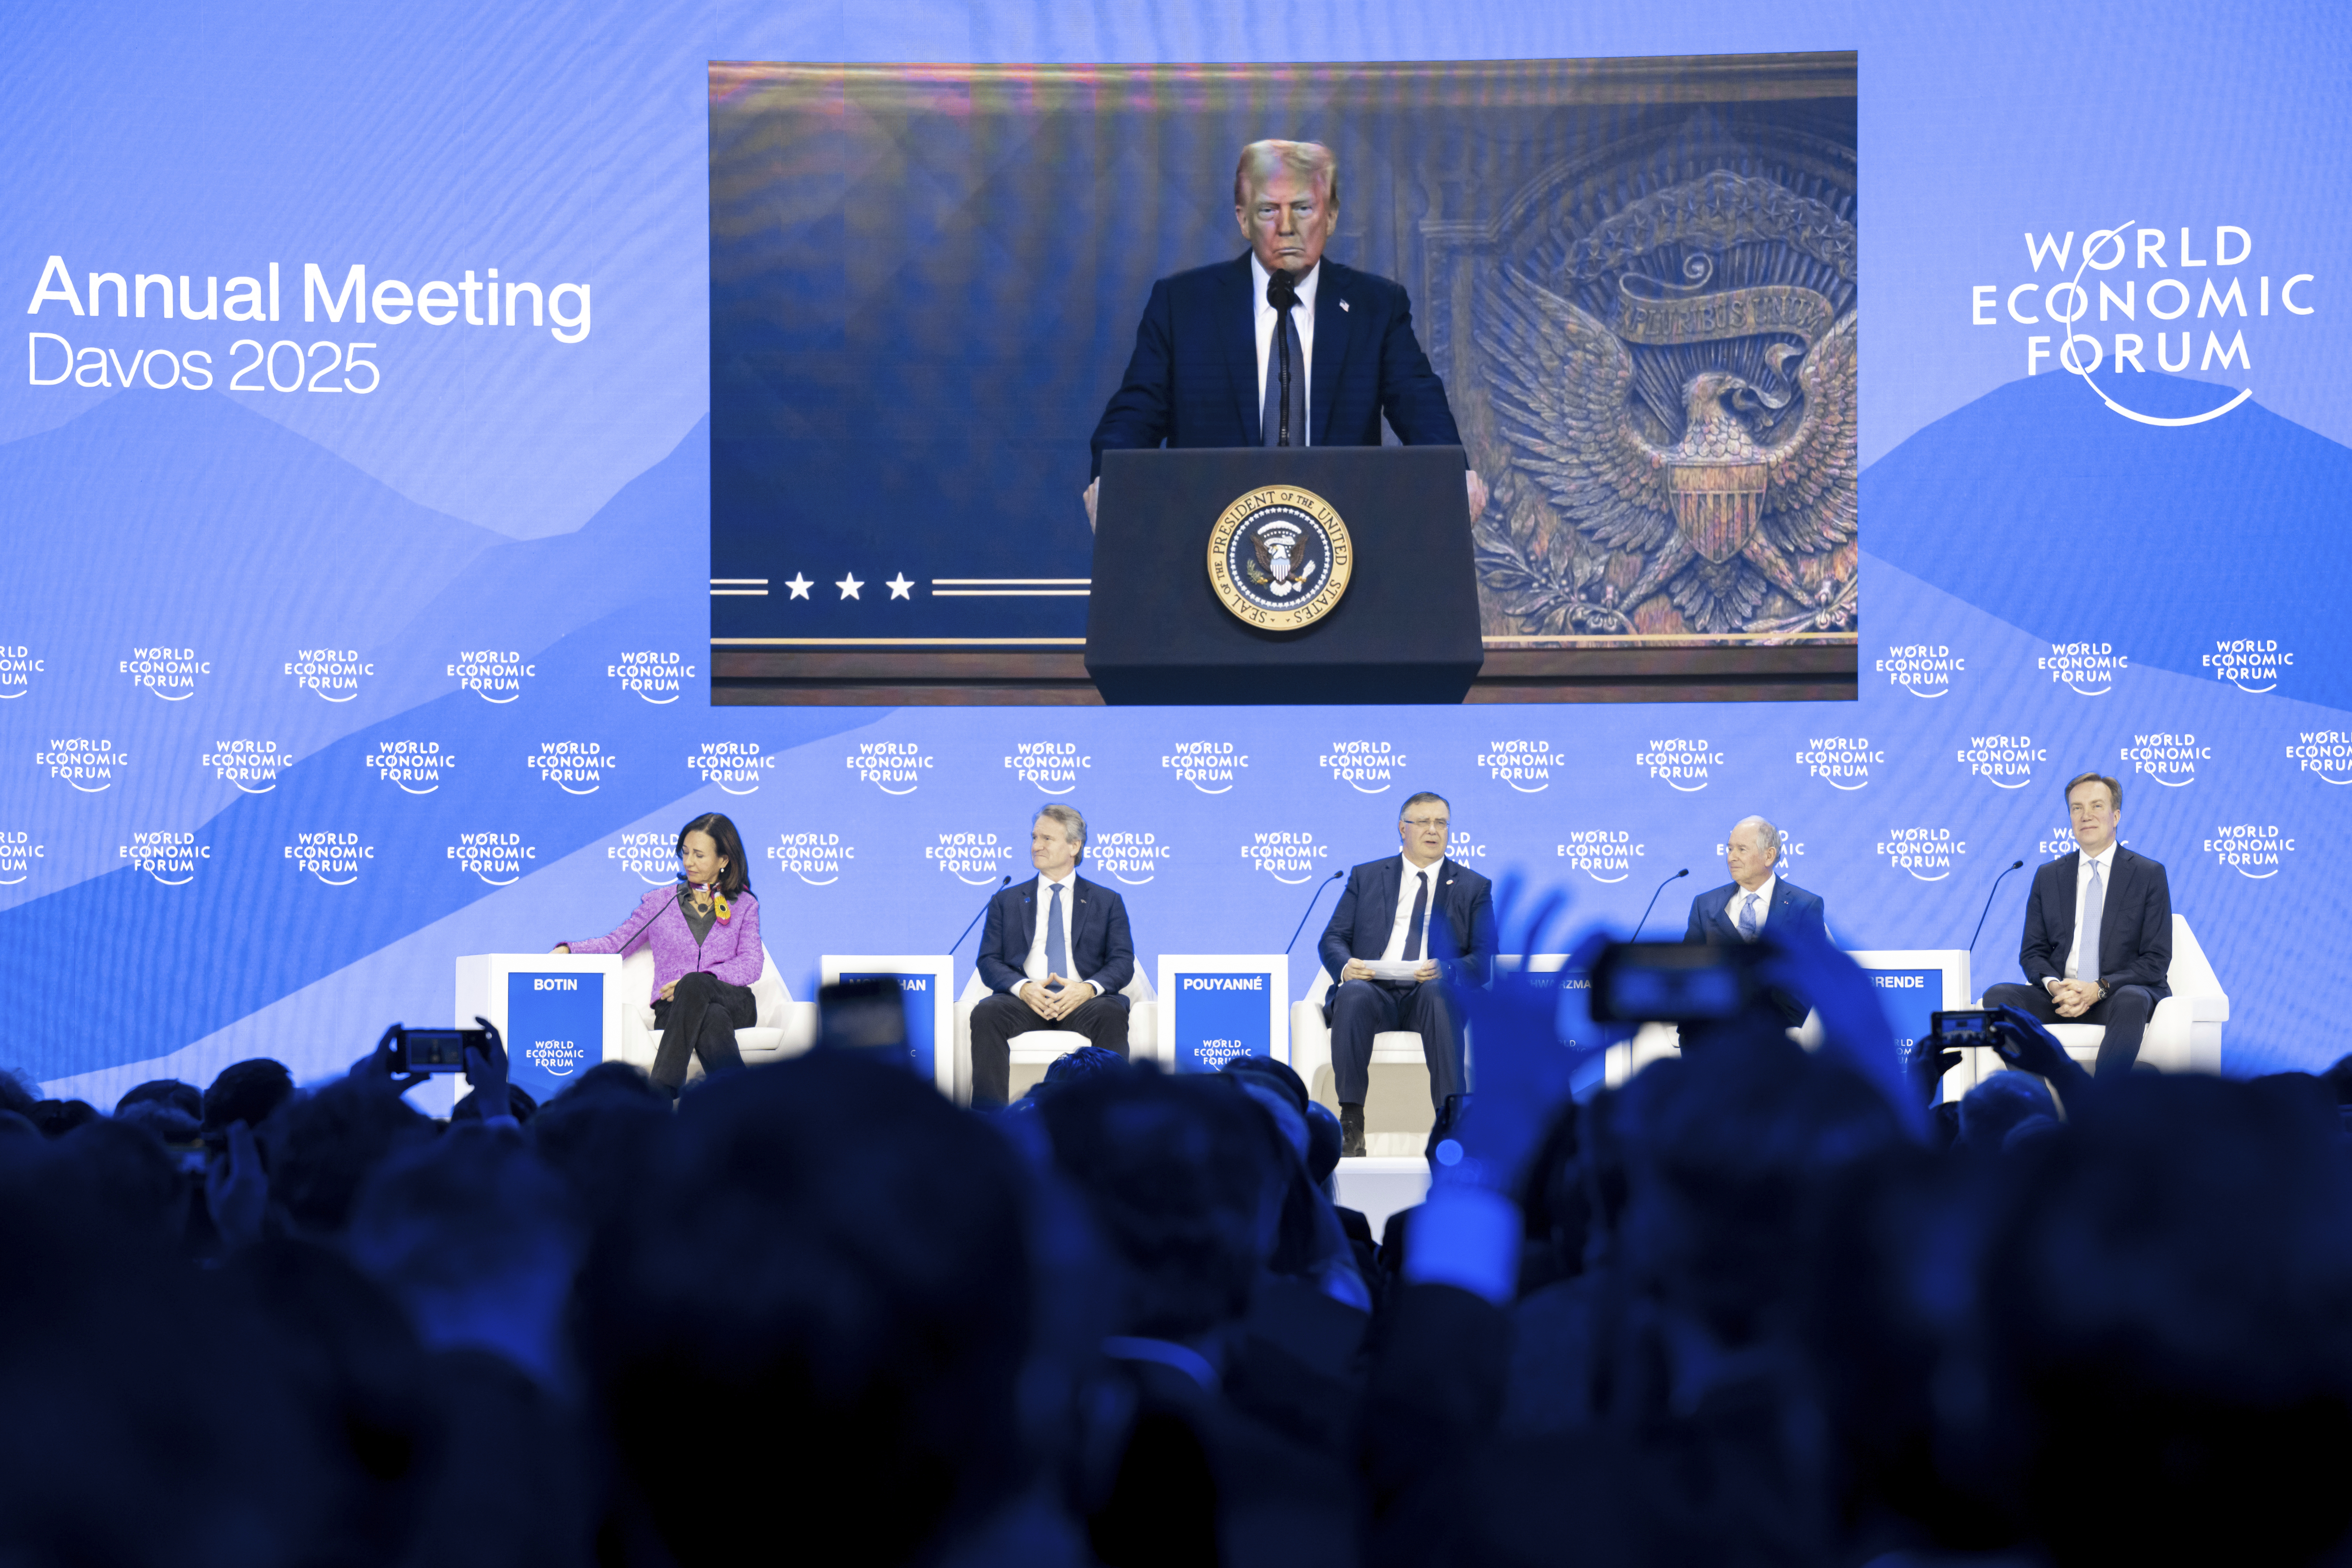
[
  {"x": 1405, "y": 629},
  {"x": 926, "y": 981},
  {"x": 1216, "y": 1006},
  {"x": 560, "y": 1013}
]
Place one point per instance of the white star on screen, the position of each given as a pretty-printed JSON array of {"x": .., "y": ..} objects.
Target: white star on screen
[
  {"x": 899, "y": 588},
  {"x": 799, "y": 586},
  {"x": 849, "y": 586}
]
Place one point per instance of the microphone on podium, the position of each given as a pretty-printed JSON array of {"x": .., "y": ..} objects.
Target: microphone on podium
[
  {"x": 1997, "y": 881},
  {"x": 1654, "y": 903},
  {"x": 1311, "y": 902},
  {"x": 983, "y": 910}
]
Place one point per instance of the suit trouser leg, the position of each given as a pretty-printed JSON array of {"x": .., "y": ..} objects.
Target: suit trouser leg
[
  {"x": 700, "y": 1019},
  {"x": 1360, "y": 1009},
  {"x": 2125, "y": 1011},
  {"x": 1102, "y": 1020},
  {"x": 999, "y": 1016},
  {"x": 1430, "y": 1011}
]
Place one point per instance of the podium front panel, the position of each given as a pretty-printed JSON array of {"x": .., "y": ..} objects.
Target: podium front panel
[
  {"x": 560, "y": 1013},
  {"x": 1216, "y": 1007}
]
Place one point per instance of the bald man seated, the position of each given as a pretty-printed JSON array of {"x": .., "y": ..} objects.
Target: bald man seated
[{"x": 1756, "y": 896}]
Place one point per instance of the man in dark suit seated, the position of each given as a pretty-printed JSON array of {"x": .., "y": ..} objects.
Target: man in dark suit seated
[
  {"x": 1418, "y": 909},
  {"x": 2098, "y": 932},
  {"x": 1208, "y": 364},
  {"x": 1756, "y": 896},
  {"x": 1055, "y": 952}
]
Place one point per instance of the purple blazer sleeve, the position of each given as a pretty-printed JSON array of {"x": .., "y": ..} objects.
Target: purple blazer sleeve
[
  {"x": 744, "y": 964},
  {"x": 633, "y": 929}
]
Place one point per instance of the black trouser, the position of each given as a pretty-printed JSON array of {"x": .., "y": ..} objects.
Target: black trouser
[
  {"x": 700, "y": 1020},
  {"x": 1362, "y": 1008},
  {"x": 2124, "y": 1010},
  {"x": 1001, "y": 1015}
]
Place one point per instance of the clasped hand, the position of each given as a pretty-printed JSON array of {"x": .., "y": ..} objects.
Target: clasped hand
[
  {"x": 1054, "y": 998},
  {"x": 2074, "y": 997}
]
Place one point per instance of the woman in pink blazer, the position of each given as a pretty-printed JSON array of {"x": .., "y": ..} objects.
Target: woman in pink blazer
[{"x": 705, "y": 936}]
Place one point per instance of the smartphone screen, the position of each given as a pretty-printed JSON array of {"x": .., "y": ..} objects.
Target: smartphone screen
[
  {"x": 434, "y": 1050},
  {"x": 1670, "y": 981}
]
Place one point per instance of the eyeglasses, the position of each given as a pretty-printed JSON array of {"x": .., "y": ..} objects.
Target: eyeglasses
[{"x": 1426, "y": 822}]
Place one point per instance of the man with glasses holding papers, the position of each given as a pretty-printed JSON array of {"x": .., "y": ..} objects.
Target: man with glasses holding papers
[{"x": 1409, "y": 933}]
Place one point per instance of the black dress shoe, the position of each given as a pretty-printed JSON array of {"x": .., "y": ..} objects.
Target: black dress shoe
[{"x": 1351, "y": 1132}]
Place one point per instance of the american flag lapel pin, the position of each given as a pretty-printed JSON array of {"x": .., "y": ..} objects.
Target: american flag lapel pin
[{"x": 1343, "y": 304}]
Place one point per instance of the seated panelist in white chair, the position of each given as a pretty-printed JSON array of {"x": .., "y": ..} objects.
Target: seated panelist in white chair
[
  {"x": 1410, "y": 931},
  {"x": 1757, "y": 895},
  {"x": 1056, "y": 954},
  {"x": 705, "y": 936},
  {"x": 2098, "y": 932}
]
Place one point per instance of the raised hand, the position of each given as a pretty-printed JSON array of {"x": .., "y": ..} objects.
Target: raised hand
[
  {"x": 1802, "y": 961},
  {"x": 486, "y": 1069},
  {"x": 237, "y": 1189}
]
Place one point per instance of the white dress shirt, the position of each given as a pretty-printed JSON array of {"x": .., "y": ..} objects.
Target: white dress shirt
[
  {"x": 1763, "y": 902},
  {"x": 1407, "y": 888},
  {"x": 1302, "y": 321},
  {"x": 2106, "y": 861},
  {"x": 1035, "y": 969}
]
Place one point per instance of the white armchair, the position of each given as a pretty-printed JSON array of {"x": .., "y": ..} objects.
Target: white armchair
[
  {"x": 2184, "y": 1034},
  {"x": 1397, "y": 1113},
  {"x": 785, "y": 1027},
  {"x": 1043, "y": 1048}
]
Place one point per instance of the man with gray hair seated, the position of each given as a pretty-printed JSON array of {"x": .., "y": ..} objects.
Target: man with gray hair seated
[
  {"x": 1756, "y": 896},
  {"x": 1056, "y": 954}
]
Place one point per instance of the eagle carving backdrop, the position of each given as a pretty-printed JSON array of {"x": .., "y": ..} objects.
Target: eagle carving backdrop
[{"x": 1657, "y": 371}]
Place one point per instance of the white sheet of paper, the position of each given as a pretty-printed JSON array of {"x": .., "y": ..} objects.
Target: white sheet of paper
[{"x": 1388, "y": 968}]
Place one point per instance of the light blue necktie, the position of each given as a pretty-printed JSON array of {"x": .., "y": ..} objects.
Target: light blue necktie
[
  {"x": 2095, "y": 906},
  {"x": 1747, "y": 917},
  {"x": 1057, "y": 950}
]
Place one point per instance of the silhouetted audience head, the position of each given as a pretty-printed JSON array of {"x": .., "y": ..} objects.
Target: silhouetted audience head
[
  {"x": 1177, "y": 1173},
  {"x": 19, "y": 1093},
  {"x": 1999, "y": 1103},
  {"x": 247, "y": 1092},
  {"x": 520, "y": 1105},
  {"x": 185, "y": 1098},
  {"x": 56, "y": 1118},
  {"x": 319, "y": 1148},
  {"x": 815, "y": 1316},
  {"x": 1084, "y": 1062},
  {"x": 1324, "y": 1141}
]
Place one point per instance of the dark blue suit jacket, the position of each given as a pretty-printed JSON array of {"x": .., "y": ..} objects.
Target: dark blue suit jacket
[
  {"x": 1193, "y": 380},
  {"x": 2135, "y": 925},
  {"x": 1101, "y": 947},
  {"x": 1462, "y": 943},
  {"x": 1790, "y": 903}
]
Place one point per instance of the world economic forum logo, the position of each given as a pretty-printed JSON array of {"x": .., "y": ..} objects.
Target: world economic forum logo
[
  {"x": 2084, "y": 668},
  {"x": 2166, "y": 758},
  {"x": 90, "y": 766},
  {"x": 2252, "y": 850},
  {"x": 2326, "y": 754},
  {"x": 977, "y": 859},
  {"x": 500, "y": 859},
  {"x": 2251, "y": 664},
  {"x": 171, "y": 858},
  {"x": 1133, "y": 858},
  {"x": 1053, "y": 766},
  {"x": 1925, "y": 671},
  {"x": 651, "y": 675},
  {"x": 576, "y": 767},
  {"x": 894, "y": 767},
  {"x": 494, "y": 675},
  {"x": 1927, "y": 854},
  {"x": 817, "y": 858},
  {"x": 1526, "y": 765},
  {"x": 18, "y": 851},
  {"x": 17, "y": 667},
  {"x": 170, "y": 673},
  {"x": 735, "y": 766},
  {"x": 1842, "y": 762},
  {"x": 650, "y": 856},
  {"x": 1604, "y": 854},
  {"x": 414, "y": 766},
  {"x": 2004, "y": 761},
  {"x": 1211, "y": 767},
  {"x": 1286, "y": 857},
  {"x": 1682, "y": 762},
  {"x": 251, "y": 766},
  {"x": 332, "y": 674},
  {"x": 1368, "y": 766},
  {"x": 335, "y": 858}
]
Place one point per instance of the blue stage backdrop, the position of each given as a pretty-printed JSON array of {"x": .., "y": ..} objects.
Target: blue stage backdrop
[{"x": 358, "y": 488}]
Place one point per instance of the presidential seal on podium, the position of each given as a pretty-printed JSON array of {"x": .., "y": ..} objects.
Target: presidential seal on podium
[{"x": 1280, "y": 558}]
